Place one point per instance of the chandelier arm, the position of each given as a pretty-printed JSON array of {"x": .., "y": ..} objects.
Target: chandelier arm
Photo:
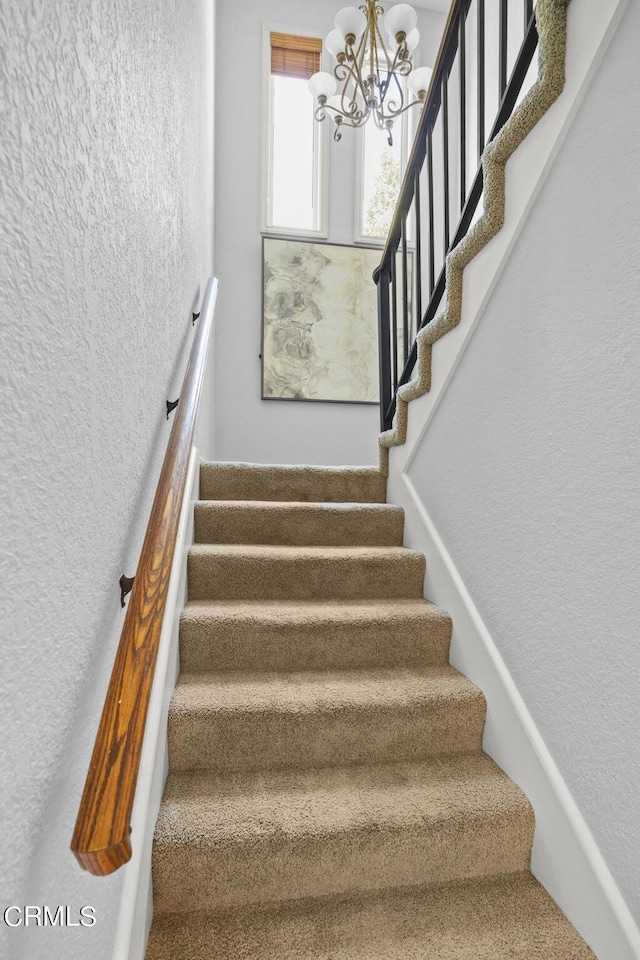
[
  {"x": 360, "y": 51},
  {"x": 351, "y": 67},
  {"x": 391, "y": 104},
  {"x": 350, "y": 123},
  {"x": 396, "y": 66},
  {"x": 404, "y": 68},
  {"x": 344, "y": 73},
  {"x": 345, "y": 67},
  {"x": 394, "y": 114},
  {"x": 390, "y": 64},
  {"x": 357, "y": 70},
  {"x": 350, "y": 106},
  {"x": 355, "y": 118},
  {"x": 395, "y": 63},
  {"x": 372, "y": 26},
  {"x": 362, "y": 118},
  {"x": 362, "y": 88}
]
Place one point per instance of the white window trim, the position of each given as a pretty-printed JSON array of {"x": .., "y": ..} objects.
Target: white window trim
[
  {"x": 359, "y": 239},
  {"x": 321, "y": 154}
]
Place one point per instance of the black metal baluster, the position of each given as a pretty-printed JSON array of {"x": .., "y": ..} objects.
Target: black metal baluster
[
  {"x": 432, "y": 261},
  {"x": 462, "y": 62},
  {"x": 384, "y": 358},
  {"x": 417, "y": 266},
  {"x": 503, "y": 38},
  {"x": 413, "y": 296},
  {"x": 528, "y": 10},
  {"x": 445, "y": 159},
  {"x": 405, "y": 294},
  {"x": 480, "y": 78},
  {"x": 394, "y": 319}
]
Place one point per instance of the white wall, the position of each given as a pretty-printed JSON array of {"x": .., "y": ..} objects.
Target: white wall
[
  {"x": 530, "y": 466},
  {"x": 246, "y": 427},
  {"x": 105, "y": 246}
]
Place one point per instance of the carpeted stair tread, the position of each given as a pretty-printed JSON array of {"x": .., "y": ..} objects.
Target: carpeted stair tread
[
  {"x": 277, "y": 522},
  {"x": 203, "y": 807},
  {"x": 328, "y": 798},
  {"x": 320, "y": 691},
  {"x": 512, "y": 917},
  {"x": 310, "y": 635},
  {"x": 234, "y": 571},
  {"x": 258, "y": 481},
  {"x": 241, "y": 721},
  {"x": 228, "y": 841}
]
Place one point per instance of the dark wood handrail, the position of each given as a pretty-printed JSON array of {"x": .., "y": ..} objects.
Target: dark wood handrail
[{"x": 101, "y": 839}]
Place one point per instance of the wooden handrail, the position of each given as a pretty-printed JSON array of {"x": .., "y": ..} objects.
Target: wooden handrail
[{"x": 101, "y": 839}]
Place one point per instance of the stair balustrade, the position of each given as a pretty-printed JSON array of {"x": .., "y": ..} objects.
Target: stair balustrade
[{"x": 471, "y": 88}]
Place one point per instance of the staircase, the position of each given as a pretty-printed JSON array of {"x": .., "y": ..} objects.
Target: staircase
[{"x": 328, "y": 797}]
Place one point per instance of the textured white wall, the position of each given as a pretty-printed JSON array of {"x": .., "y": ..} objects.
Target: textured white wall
[
  {"x": 530, "y": 468},
  {"x": 105, "y": 246},
  {"x": 246, "y": 427}
]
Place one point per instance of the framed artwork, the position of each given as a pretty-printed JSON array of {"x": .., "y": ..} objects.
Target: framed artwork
[{"x": 319, "y": 322}]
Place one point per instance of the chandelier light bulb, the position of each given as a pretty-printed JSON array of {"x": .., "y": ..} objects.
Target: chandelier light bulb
[
  {"x": 350, "y": 20},
  {"x": 335, "y": 43},
  {"x": 419, "y": 80},
  {"x": 413, "y": 39},
  {"x": 322, "y": 85},
  {"x": 400, "y": 19}
]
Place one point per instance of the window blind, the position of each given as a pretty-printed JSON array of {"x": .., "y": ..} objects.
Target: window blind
[{"x": 295, "y": 56}]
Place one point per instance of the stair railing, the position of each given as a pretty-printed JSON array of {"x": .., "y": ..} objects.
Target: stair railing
[
  {"x": 438, "y": 199},
  {"x": 101, "y": 840}
]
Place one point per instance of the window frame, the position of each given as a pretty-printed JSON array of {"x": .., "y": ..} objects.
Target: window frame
[
  {"x": 321, "y": 152},
  {"x": 358, "y": 207}
]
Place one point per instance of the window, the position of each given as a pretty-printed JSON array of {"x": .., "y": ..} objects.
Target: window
[
  {"x": 380, "y": 180},
  {"x": 379, "y": 172},
  {"x": 294, "y": 188}
]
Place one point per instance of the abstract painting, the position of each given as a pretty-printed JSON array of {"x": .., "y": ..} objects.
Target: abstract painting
[{"x": 320, "y": 322}]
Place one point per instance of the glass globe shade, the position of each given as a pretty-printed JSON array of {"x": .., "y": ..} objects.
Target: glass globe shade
[
  {"x": 413, "y": 39},
  {"x": 400, "y": 19},
  {"x": 419, "y": 80},
  {"x": 335, "y": 43},
  {"x": 350, "y": 20},
  {"x": 322, "y": 85}
]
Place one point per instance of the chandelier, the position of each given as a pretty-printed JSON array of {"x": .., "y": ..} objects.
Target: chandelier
[{"x": 372, "y": 73}]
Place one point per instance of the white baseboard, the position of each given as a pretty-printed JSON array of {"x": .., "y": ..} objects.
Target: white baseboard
[
  {"x": 566, "y": 859},
  {"x": 136, "y": 905}
]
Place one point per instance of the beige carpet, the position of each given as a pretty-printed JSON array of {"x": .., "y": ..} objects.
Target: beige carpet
[{"x": 328, "y": 798}]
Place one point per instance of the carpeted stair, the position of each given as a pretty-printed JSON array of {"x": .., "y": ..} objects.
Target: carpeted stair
[{"x": 328, "y": 798}]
